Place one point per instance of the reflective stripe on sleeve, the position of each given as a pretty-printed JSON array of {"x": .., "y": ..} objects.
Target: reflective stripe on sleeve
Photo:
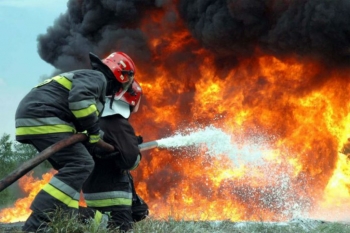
[
  {"x": 85, "y": 111},
  {"x": 63, "y": 81},
  {"x": 81, "y": 104}
]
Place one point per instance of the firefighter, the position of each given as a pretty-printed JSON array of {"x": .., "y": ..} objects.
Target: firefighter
[
  {"x": 110, "y": 188},
  {"x": 57, "y": 108}
]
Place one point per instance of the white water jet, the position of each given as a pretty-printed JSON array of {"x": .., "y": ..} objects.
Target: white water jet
[{"x": 215, "y": 142}]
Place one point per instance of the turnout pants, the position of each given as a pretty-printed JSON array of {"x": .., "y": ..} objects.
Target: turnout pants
[
  {"x": 111, "y": 193},
  {"x": 74, "y": 164}
]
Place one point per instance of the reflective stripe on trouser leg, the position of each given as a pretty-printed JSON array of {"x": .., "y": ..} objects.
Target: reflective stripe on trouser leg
[
  {"x": 106, "y": 199},
  {"x": 74, "y": 165}
]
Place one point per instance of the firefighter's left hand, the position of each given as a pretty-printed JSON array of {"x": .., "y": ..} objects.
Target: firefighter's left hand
[
  {"x": 102, "y": 153},
  {"x": 107, "y": 155}
]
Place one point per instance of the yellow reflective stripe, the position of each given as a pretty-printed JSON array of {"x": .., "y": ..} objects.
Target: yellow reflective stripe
[
  {"x": 58, "y": 184},
  {"x": 94, "y": 138},
  {"x": 85, "y": 112},
  {"x": 61, "y": 196},
  {"x": 108, "y": 202},
  {"x": 45, "y": 129},
  {"x": 63, "y": 81}
]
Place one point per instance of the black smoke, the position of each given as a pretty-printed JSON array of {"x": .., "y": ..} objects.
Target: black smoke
[
  {"x": 230, "y": 29},
  {"x": 314, "y": 28},
  {"x": 98, "y": 26}
]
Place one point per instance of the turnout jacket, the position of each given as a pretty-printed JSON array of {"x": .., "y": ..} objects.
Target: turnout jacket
[
  {"x": 108, "y": 187},
  {"x": 119, "y": 133},
  {"x": 67, "y": 103}
]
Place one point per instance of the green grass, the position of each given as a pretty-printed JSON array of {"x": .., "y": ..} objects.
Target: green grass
[{"x": 61, "y": 223}]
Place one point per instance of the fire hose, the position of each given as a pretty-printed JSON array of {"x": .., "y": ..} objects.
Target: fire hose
[{"x": 45, "y": 154}]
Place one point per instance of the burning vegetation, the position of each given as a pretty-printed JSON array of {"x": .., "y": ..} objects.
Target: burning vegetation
[{"x": 272, "y": 74}]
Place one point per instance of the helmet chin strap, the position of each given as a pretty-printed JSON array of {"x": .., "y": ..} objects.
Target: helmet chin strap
[
  {"x": 111, "y": 102},
  {"x": 112, "y": 87},
  {"x": 112, "y": 99}
]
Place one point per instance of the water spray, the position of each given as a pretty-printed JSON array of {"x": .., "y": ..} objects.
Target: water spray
[
  {"x": 211, "y": 137},
  {"x": 213, "y": 142}
]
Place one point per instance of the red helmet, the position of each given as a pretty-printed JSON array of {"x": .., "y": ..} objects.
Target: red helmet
[
  {"x": 131, "y": 96},
  {"x": 122, "y": 67}
]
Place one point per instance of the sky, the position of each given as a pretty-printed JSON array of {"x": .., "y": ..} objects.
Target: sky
[{"x": 21, "y": 68}]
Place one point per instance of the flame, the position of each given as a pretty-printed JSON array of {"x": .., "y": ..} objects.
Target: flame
[
  {"x": 30, "y": 186},
  {"x": 21, "y": 209},
  {"x": 292, "y": 112},
  {"x": 279, "y": 105}
]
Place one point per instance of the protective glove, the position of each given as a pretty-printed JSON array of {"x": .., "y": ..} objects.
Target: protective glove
[
  {"x": 86, "y": 142},
  {"x": 90, "y": 144},
  {"x": 94, "y": 138},
  {"x": 139, "y": 139}
]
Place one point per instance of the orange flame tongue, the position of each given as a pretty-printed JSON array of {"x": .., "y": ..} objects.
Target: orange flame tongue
[{"x": 21, "y": 210}]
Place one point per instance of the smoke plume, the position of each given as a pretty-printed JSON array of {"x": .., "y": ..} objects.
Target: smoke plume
[{"x": 230, "y": 29}]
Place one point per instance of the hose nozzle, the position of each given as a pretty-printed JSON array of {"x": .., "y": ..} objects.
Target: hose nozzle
[{"x": 148, "y": 145}]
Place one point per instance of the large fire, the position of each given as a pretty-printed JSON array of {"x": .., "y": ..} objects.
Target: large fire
[
  {"x": 294, "y": 110},
  {"x": 302, "y": 172}
]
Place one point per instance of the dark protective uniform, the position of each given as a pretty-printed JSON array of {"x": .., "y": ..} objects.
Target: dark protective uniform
[
  {"x": 110, "y": 187},
  {"x": 55, "y": 109}
]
